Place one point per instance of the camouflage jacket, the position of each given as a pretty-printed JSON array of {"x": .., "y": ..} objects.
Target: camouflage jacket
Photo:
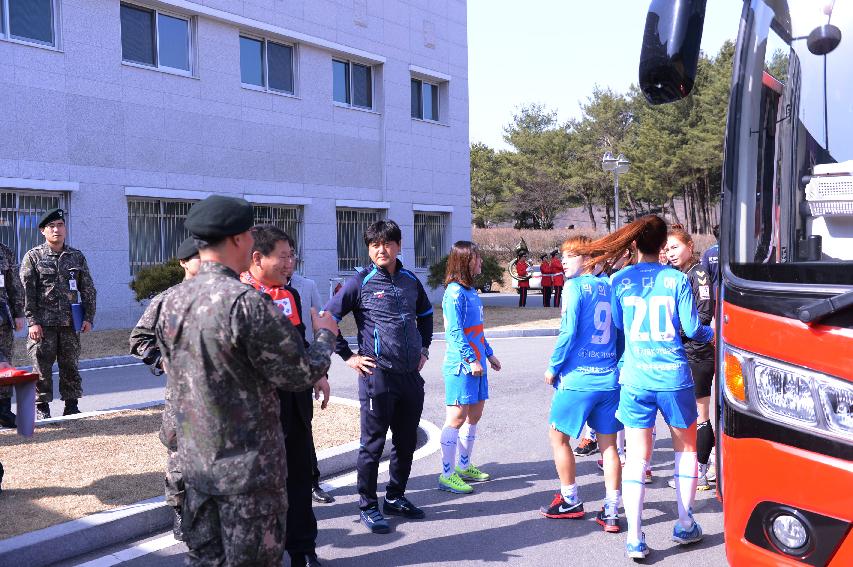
[
  {"x": 11, "y": 290},
  {"x": 142, "y": 337},
  {"x": 226, "y": 349},
  {"x": 45, "y": 275}
]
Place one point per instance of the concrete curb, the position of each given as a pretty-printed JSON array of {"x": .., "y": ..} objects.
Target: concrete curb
[{"x": 97, "y": 531}]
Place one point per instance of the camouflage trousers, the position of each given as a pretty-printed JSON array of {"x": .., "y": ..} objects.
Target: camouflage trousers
[
  {"x": 60, "y": 344},
  {"x": 6, "y": 344},
  {"x": 174, "y": 480},
  {"x": 241, "y": 530}
]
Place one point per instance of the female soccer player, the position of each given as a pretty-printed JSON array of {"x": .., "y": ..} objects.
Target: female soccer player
[
  {"x": 583, "y": 371},
  {"x": 700, "y": 356},
  {"x": 649, "y": 302},
  {"x": 466, "y": 385}
]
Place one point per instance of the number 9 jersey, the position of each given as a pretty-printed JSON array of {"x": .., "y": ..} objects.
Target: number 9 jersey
[
  {"x": 651, "y": 302},
  {"x": 587, "y": 350}
]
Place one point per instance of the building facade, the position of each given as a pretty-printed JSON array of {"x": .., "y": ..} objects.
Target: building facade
[{"x": 325, "y": 114}]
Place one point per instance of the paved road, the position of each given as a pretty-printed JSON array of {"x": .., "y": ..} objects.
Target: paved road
[{"x": 499, "y": 522}]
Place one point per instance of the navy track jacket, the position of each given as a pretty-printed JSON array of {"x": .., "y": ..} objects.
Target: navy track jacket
[{"x": 393, "y": 315}]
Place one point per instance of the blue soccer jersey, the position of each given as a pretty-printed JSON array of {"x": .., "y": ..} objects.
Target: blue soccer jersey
[
  {"x": 650, "y": 303},
  {"x": 463, "y": 329},
  {"x": 586, "y": 353}
]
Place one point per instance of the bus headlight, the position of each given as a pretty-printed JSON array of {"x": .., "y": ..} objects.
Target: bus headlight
[
  {"x": 790, "y": 532},
  {"x": 837, "y": 402},
  {"x": 785, "y": 393}
]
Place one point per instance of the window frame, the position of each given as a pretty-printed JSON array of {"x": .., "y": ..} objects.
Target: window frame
[
  {"x": 160, "y": 218},
  {"x": 265, "y": 41},
  {"x": 350, "y": 63},
  {"x": 424, "y": 82},
  {"x": 443, "y": 248},
  {"x": 342, "y": 268},
  {"x": 62, "y": 197},
  {"x": 192, "y": 36},
  {"x": 56, "y": 19}
]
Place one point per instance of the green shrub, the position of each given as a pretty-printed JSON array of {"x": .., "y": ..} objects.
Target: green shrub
[
  {"x": 491, "y": 272},
  {"x": 154, "y": 279}
]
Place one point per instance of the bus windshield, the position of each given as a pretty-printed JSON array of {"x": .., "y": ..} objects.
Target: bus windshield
[{"x": 790, "y": 146}]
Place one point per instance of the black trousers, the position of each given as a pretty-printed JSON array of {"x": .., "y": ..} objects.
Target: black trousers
[
  {"x": 392, "y": 400},
  {"x": 297, "y": 410},
  {"x": 546, "y": 296},
  {"x": 522, "y": 296},
  {"x": 558, "y": 295}
]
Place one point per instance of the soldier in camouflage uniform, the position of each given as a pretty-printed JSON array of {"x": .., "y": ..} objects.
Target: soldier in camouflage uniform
[
  {"x": 11, "y": 320},
  {"x": 56, "y": 275},
  {"x": 226, "y": 348},
  {"x": 143, "y": 345}
]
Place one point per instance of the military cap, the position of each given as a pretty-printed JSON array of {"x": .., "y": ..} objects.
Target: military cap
[
  {"x": 50, "y": 216},
  {"x": 187, "y": 249},
  {"x": 218, "y": 217}
]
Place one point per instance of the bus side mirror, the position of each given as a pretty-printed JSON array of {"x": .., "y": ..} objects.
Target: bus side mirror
[
  {"x": 670, "y": 53},
  {"x": 823, "y": 39}
]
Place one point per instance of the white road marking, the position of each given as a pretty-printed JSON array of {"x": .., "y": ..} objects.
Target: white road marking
[{"x": 132, "y": 552}]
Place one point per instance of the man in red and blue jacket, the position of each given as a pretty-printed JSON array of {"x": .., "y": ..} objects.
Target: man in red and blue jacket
[{"x": 394, "y": 319}]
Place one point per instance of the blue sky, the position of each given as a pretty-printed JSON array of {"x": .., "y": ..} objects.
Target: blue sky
[{"x": 554, "y": 52}]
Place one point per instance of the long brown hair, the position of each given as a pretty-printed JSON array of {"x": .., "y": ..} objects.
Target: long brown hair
[
  {"x": 459, "y": 263},
  {"x": 649, "y": 232}
]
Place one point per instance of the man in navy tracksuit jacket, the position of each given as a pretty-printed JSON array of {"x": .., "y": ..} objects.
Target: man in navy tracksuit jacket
[{"x": 394, "y": 319}]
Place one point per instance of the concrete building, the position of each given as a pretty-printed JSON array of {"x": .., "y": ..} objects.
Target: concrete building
[{"x": 326, "y": 114}]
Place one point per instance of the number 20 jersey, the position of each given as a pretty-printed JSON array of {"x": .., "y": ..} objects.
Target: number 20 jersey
[
  {"x": 650, "y": 303},
  {"x": 586, "y": 353}
]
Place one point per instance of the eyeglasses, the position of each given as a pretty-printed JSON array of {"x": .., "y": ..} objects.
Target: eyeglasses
[{"x": 291, "y": 258}]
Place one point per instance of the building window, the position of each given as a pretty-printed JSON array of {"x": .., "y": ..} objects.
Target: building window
[
  {"x": 430, "y": 238},
  {"x": 156, "y": 39},
  {"x": 19, "y": 216},
  {"x": 424, "y": 100},
  {"x": 33, "y": 21},
  {"x": 352, "y": 83},
  {"x": 266, "y": 64},
  {"x": 352, "y": 223},
  {"x": 156, "y": 229}
]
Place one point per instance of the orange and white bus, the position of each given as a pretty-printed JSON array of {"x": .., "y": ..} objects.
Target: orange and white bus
[{"x": 785, "y": 315}]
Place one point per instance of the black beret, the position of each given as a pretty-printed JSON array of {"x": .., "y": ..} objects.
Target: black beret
[
  {"x": 187, "y": 249},
  {"x": 218, "y": 217},
  {"x": 50, "y": 216}
]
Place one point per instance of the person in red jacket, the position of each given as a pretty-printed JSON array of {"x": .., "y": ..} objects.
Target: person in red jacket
[
  {"x": 523, "y": 284},
  {"x": 546, "y": 270},
  {"x": 557, "y": 277}
]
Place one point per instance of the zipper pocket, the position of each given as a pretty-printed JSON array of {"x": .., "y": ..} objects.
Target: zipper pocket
[{"x": 376, "y": 343}]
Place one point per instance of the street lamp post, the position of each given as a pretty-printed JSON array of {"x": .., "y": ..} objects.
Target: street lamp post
[{"x": 618, "y": 165}]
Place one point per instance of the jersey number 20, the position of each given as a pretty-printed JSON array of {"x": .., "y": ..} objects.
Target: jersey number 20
[{"x": 659, "y": 309}]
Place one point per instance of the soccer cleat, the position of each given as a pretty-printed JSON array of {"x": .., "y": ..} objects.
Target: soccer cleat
[
  {"x": 401, "y": 506},
  {"x": 586, "y": 447},
  {"x": 373, "y": 519},
  {"x": 454, "y": 484},
  {"x": 686, "y": 537},
  {"x": 560, "y": 509},
  {"x": 701, "y": 483},
  {"x": 472, "y": 474},
  {"x": 637, "y": 550},
  {"x": 610, "y": 522}
]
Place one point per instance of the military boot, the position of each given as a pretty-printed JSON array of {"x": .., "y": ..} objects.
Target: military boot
[
  {"x": 42, "y": 410},
  {"x": 7, "y": 418},
  {"x": 71, "y": 407}
]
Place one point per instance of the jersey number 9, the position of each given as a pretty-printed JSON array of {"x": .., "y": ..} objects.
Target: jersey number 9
[{"x": 601, "y": 319}]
